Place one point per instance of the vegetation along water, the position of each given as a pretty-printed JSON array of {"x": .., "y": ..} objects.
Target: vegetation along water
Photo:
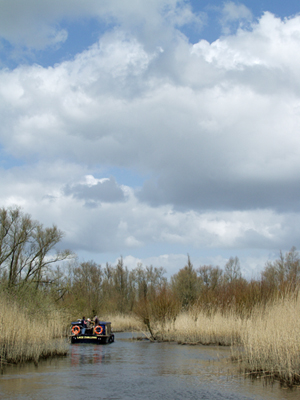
[
  {"x": 42, "y": 291},
  {"x": 137, "y": 370}
]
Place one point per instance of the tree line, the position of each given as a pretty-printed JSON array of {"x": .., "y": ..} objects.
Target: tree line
[{"x": 29, "y": 262}]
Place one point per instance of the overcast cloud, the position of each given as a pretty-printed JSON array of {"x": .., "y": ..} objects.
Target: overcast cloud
[{"x": 207, "y": 132}]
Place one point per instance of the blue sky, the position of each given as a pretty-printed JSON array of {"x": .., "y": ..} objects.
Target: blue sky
[
  {"x": 84, "y": 32},
  {"x": 154, "y": 129}
]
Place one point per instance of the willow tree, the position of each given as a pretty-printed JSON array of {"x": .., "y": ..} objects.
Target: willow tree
[
  {"x": 27, "y": 249},
  {"x": 186, "y": 285}
]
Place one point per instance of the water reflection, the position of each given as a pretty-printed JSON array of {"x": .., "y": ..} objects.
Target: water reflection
[
  {"x": 94, "y": 354},
  {"x": 136, "y": 370}
]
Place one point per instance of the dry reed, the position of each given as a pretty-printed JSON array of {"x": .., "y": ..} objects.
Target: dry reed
[
  {"x": 266, "y": 343},
  {"x": 202, "y": 329},
  {"x": 24, "y": 337},
  {"x": 124, "y": 323},
  {"x": 271, "y": 341}
]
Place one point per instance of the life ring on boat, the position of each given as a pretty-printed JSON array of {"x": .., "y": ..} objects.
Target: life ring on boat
[
  {"x": 98, "y": 330},
  {"x": 75, "y": 330}
]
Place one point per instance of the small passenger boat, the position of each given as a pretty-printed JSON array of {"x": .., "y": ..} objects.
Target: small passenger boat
[{"x": 100, "y": 334}]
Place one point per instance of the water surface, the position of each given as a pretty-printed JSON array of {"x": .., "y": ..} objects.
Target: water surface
[{"x": 137, "y": 370}]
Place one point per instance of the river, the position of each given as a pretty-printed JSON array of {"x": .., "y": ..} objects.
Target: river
[{"x": 137, "y": 370}]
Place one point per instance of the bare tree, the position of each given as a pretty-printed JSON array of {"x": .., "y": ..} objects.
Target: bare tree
[
  {"x": 26, "y": 248},
  {"x": 232, "y": 270},
  {"x": 283, "y": 272},
  {"x": 87, "y": 287},
  {"x": 210, "y": 276}
]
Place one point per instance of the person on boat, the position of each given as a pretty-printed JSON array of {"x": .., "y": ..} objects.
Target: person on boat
[
  {"x": 96, "y": 320},
  {"x": 84, "y": 325},
  {"x": 89, "y": 323}
]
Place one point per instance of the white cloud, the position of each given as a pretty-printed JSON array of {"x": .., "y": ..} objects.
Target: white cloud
[
  {"x": 129, "y": 224},
  {"x": 235, "y": 12},
  {"x": 123, "y": 227},
  {"x": 36, "y": 24},
  {"x": 225, "y": 121},
  {"x": 251, "y": 266},
  {"x": 214, "y": 127}
]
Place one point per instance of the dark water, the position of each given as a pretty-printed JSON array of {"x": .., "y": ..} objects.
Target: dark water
[{"x": 137, "y": 370}]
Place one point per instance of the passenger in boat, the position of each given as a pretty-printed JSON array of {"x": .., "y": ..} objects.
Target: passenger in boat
[
  {"x": 96, "y": 321},
  {"x": 84, "y": 325},
  {"x": 89, "y": 323},
  {"x": 89, "y": 326}
]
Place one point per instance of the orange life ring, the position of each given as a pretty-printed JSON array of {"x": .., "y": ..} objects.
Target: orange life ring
[
  {"x": 75, "y": 330},
  {"x": 98, "y": 330}
]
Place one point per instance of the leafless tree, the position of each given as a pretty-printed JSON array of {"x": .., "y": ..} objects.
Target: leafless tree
[
  {"x": 26, "y": 248},
  {"x": 232, "y": 270}
]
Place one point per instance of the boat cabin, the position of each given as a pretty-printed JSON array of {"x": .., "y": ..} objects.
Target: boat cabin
[{"x": 100, "y": 334}]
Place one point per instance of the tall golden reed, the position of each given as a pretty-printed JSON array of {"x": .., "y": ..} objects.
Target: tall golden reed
[
  {"x": 202, "y": 329},
  {"x": 267, "y": 342},
  {"x": 124, "y": 323},
  {"x": 271, "y": 341},
  {"x": 25, "y": 337}
]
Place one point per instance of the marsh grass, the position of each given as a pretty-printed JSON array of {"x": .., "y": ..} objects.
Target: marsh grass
[
  {"x": 265, "y": 342},
  {"x": 124, "y": 323},
  {"x": 202, "y": 329},
  {"x": 28, "y": 336},
  {"x": 270, "y": 342}
]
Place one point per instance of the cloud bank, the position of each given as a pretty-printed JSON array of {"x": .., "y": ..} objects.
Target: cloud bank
[{"x": 212, "y": 128}]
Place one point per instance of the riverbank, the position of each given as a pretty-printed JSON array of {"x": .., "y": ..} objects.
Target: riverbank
[
  {"x": 30, "y": 336},
  {"x": 188, "y": 328},
  {"x": 267, "y": 343}
]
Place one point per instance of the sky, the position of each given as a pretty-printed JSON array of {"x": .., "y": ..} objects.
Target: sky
[{"x": 153, "y": 130}]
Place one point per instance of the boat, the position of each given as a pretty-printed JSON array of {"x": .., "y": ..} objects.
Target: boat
[{"x": 100, "y": 334}]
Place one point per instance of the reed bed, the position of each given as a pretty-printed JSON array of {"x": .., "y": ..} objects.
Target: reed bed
[
  {"x": 202, "y": 329},
  {"x": 267, "y": 343},
  {"x": 26, "y": 337},
  {"x": 124, "y": 323},
  {"x": 271, "y": 342}
]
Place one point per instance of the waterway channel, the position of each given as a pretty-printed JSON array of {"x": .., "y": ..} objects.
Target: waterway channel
[{"x": 137, "y": 370}]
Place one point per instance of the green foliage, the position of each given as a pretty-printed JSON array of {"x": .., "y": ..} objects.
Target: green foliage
[{"x": 186, "y": 285}]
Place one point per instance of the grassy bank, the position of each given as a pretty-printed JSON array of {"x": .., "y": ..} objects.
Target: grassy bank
[{"x": 28, "y": 335}]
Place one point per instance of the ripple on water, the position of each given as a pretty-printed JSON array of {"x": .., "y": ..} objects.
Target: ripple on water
[{"x": 137, "y": 370}]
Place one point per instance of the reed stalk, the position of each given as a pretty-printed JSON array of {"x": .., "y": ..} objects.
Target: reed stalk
[
  {"x": 266, "y": 342},
  {"x": 27, "y": 337},
  {"x": 216, "y": 329},
  {"x": 124, "y": 323},
  {"x": 271, "y": 341}
]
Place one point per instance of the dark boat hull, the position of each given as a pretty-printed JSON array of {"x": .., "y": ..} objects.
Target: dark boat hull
[
  {"x": 103, "y": 339},
  {"x": 100, "y": 334}
]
